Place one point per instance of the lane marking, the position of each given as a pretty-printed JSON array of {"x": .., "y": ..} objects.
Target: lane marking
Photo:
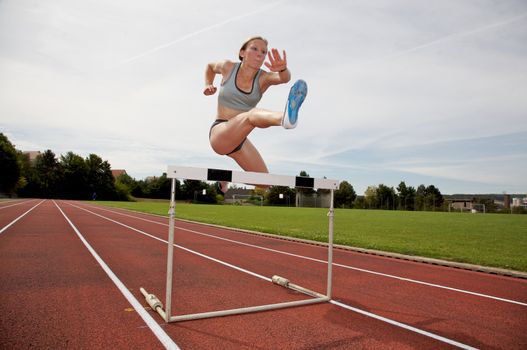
[
  {"x": 20, "y": 217},
  {"x": 167, "y": 342},
  {"x": 402, "y": 325},
  {"x": 17, "y": 202},
  {"x": 348, "y": 307},
  {"x": 176, "y": 245},
  {"x": 334, "y": 264}
]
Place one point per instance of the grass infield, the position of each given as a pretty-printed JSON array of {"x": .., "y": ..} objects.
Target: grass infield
[{"x": 496, "y": 240}]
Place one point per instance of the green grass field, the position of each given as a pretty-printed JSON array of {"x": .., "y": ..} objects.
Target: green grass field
[{"x": 485, "y": 239}]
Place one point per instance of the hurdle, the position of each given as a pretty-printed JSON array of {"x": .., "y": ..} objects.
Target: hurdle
[{"x": 249, "y": 178}]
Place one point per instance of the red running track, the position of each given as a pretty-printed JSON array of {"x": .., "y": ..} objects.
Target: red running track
[{"x": 55, "y": 294}]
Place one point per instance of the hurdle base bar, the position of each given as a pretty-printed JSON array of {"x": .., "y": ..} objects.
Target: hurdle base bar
[
  {"x": 157, "y": 305},
  {"x": 246, "y": 310}
]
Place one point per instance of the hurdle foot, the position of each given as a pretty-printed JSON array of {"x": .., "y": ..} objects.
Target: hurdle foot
[
  {"x": 154, "y": 303},
  {"x": 284, "y": 282},
  {"x": 281, "y": 281}
]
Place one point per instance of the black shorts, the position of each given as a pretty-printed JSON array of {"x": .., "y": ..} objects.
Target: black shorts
[{"x": 219, "y": 121}]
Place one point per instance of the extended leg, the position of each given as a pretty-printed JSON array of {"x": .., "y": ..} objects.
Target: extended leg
[{"x": 227, "y": 136}]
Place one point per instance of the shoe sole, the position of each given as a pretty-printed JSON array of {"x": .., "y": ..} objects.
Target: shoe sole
[{"x": 296, "y": 97}]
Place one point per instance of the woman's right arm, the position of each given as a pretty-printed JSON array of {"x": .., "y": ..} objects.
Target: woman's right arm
[{"x": 212, "y": 69}]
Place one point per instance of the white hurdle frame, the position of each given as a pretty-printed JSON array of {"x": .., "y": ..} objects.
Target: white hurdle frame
[{"x": 250, "y": 178}]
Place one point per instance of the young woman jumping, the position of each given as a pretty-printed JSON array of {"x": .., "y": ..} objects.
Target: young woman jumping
[{"x": 243, "y": 84}]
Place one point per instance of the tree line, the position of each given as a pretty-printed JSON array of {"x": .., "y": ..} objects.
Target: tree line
[
  {"x": 424, "y": 198},
  {"x": 71, "y": 176}
]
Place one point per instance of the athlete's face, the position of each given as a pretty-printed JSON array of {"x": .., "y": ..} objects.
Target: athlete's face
[{"x": 255, "y": 52}]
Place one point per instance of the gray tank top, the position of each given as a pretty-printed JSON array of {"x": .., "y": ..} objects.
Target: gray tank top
[{"x": 232, "y": 97}]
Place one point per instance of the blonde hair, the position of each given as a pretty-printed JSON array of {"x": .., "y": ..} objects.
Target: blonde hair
[{"x": 246, "y": 42}]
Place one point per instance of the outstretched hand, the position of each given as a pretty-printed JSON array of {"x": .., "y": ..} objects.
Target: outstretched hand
[
  {"x": 276, "y": 62},
  {"x": 209, "y": 90}
]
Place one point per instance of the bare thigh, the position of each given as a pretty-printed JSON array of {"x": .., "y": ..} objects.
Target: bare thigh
[
  {"x": 227, "y": 136},
  {"x": 249, "y": 159}
]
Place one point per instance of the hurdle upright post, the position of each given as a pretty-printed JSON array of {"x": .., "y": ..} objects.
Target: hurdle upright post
[
  {"x": 331, "y": 215},
  {"x": 170, "y": 257}
]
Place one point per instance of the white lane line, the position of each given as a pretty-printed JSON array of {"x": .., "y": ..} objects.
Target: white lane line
[
  {"x": 402, "y": 325},
  {"x": 20, "y": 217},
  {"x": 12, "y": 205},
  {"x": 334, "y": 264},
  {"x": 167, "y": 342},
  {"x": 361, "y": 270},
  {"x": 348, "y": 307},
  {"x": 175, "y": 245}
]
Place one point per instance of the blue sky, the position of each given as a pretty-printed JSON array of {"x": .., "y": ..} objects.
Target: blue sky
[{"x": 415, "y": 91}]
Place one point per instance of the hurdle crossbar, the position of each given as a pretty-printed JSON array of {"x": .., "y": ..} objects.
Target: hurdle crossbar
[{"x": 250, "y": 178}]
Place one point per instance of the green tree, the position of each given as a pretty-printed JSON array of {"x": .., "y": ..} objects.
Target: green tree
[
  {"x": 153, "y": 187},
  {"x": 10, "y": 165},
  {"x": 428, "y": 198},
  {"x": 420, "y": 198},
  {"x": 406, "y": 196},
  {"x": 386, "y": 197},
  {"x": 434, "y": 198},
  {"x": 273, "y": 196},
  {"x": 345, "y": 195},
  {"x": 25, "y": 170},
  {"x": 159, "y": 187},
  {"x": 370, "y": 198},
  {"x": 193, "y": 190},
  {"x": 99, "y": 178},
  {"x": 140, "y": 190},
  {"x": 359, "y": 203},
  {"x": 125, "y": 186},
  {"x": 75, "y": 182},
  {"x": 46, "y": 177}
]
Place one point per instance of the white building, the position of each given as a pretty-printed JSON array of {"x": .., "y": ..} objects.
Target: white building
[{"x": 519, "y": 202}]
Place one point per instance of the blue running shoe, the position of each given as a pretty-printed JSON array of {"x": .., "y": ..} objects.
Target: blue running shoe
[{"x": 297, "y": 94}]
